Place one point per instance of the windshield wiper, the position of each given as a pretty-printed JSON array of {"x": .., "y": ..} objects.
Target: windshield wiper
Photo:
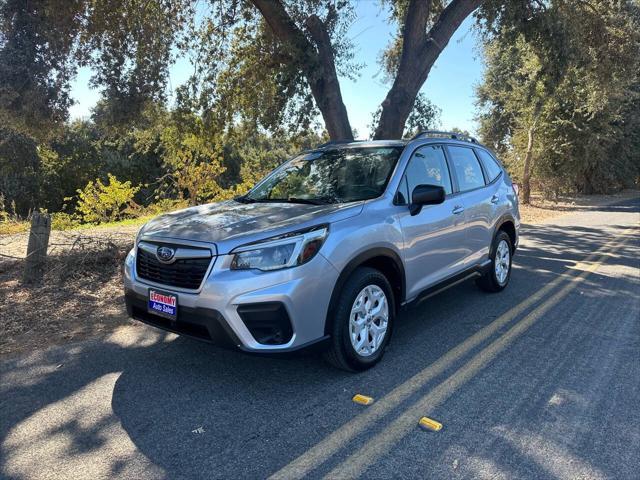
[
  {"x": 244, "y": 199},
  {"x": 310, "y": 201}
]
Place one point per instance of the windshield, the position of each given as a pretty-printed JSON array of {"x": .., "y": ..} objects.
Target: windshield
[{"x": 333, "y": 176}]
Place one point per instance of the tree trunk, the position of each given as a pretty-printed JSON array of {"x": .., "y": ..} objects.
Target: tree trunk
[
  {"x": 325, "y": 86},
  {"x": 316, "y": 61},
  {"x": 528, "y": 161},
  {"x": 333, "y": 110},
  {"x": 420, "y": 50},
  {"x": 396, "y": 108}
]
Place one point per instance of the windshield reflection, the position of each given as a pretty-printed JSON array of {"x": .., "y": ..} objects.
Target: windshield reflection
[{"x": 331, "y": 176}]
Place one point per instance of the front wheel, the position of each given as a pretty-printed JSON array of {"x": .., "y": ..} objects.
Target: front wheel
[
  {"x": 363, "y": 321},
  {"x": 497, "y": 276}
]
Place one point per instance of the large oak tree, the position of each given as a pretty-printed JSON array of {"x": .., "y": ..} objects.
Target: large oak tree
[
  {"x": 275, "y": 62},
  {"x": 426, "y": 28}
]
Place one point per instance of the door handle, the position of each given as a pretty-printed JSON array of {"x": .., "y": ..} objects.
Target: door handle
[
  {"x": 458, "y": 209},
  {"x": 495, "y": 198}
]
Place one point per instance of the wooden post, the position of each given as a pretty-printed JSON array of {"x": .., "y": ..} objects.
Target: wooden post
[{"x": 37, "y": 248}]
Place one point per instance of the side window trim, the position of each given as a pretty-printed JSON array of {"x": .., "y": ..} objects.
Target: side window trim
[
  {"x": 484, "y": 175},
  {"x": 484, "y": 167},
  {"x": 454, "y": 183},
  {"x": 402, "y": 186},
  {"x": 452, "y": 171}
]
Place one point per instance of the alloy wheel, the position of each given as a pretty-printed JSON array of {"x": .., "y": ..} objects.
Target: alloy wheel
[
  {"x": 369, "y": 320},
  {"x": 502, "y": 262}
]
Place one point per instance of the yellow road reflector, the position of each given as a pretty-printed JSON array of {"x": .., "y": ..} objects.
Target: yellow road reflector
[
  {"x": 430, "y": 424},
  {"x": 362, "y": 399}
]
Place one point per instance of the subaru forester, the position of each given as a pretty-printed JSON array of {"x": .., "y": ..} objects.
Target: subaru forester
[{"x": 327, "y": 248}]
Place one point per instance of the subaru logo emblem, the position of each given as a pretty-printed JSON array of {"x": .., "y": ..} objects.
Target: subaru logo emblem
[{"x": 165, "y": 254}]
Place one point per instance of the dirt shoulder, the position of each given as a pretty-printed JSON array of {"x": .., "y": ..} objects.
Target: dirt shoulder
[
  {"x": 81, "y": 295},
  {"x": 540, "y": 209}
]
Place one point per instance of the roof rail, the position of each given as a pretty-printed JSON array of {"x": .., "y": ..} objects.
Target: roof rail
[
  {"x": 441, "y": 134},
  {"x": 336, "y": 142}
]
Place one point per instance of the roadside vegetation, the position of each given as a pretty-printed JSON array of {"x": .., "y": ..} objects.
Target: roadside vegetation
[{"x": 559, "y": 100}]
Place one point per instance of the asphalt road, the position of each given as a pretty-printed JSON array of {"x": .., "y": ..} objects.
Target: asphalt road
[{"x": 539, "y": 381}]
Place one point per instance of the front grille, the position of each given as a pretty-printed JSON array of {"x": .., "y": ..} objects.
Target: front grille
[{"x": 183, "y": 273}]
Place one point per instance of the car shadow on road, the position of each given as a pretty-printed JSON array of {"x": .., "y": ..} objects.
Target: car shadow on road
[{"x": 194, "y": 410}]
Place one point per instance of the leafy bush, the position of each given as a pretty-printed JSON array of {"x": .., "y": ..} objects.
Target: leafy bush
[
  {"x": 194, "y": 163},
  {"x": 163, "y": 205},
  {"x": 4, "y": 215},
  {"x": 64, "y": 221},
  {"x": 100, "y": 203}
]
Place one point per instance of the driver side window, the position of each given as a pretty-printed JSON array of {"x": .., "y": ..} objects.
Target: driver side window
[{"x": 428, "y": 166}]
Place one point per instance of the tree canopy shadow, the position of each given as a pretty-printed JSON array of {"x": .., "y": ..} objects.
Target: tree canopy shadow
[{"x": 194, "y": 410}]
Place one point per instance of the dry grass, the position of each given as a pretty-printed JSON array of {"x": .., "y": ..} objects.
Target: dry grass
[
  {"x": 12, "y": 227},
  {"x": 80, "y": 296}
]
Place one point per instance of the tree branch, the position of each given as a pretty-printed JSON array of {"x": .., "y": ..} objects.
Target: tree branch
[
  {"x": 317, "y": 63},
  {"x": 449, "y": 21},
  {"x": 283, "y": 26},
  {"x": 414, "y": 30},
  {"x": 420, "y": 50},
  {"x": 325, "y": 84}
]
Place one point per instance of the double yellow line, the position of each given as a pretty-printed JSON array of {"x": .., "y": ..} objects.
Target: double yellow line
[{"x": 356, "y": 463}]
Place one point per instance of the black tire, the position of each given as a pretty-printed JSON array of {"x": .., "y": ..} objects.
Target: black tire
[
  {"x": 489, "y": 281},
  {"x": 341, "y": 353}
]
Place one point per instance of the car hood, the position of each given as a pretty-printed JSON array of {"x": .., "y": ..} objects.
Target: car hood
[{"x": 230, "y": 224}]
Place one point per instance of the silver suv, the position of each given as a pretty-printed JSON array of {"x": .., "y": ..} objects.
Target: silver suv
[{"x": 327, "y": 248}]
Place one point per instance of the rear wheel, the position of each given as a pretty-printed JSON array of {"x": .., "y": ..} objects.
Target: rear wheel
[
  {"x": 363, "y": 321},
  {"x": 496, "y": 278}
]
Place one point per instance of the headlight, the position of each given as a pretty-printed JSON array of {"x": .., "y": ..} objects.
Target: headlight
[{"x": 280, "y": 252}]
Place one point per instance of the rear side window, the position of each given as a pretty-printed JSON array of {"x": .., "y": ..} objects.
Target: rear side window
[
  {"x": 490, "y": 165},
  {"x": 428, "y": 166},
  {"x": 467, "y": 168}
]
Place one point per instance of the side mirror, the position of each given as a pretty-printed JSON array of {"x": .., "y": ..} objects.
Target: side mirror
[{"x": 425, "y": 195}]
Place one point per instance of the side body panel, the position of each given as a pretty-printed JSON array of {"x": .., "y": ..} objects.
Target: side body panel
[
  {"x": 479, "y": 218},
  {"x": 434, "y": 244}
]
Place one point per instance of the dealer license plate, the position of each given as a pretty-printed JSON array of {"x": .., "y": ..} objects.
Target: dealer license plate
[{"x": 163, "y": 304}]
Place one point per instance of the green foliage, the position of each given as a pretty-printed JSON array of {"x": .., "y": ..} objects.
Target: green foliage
[
  {"x": 37, "y": 43},
  {"x": 236, "y": 54},
  {"x": 64, "y": 221},
  {"x": 129, "y": 45},
  {"x": 68, "y": 163},
  {"x": 194, "y": 163},
  {"x": 162, "y": 206},
  {"x": 19, "y": 170},
  {"x": 564, "y": 87},
  {"x": 100, "y": 203}
]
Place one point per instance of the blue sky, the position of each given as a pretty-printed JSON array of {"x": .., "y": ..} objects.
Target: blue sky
[{"x": 449, "y": 86}]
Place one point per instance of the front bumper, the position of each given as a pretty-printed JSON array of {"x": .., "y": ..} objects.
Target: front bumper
[{"x": 221, "y": 310}]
